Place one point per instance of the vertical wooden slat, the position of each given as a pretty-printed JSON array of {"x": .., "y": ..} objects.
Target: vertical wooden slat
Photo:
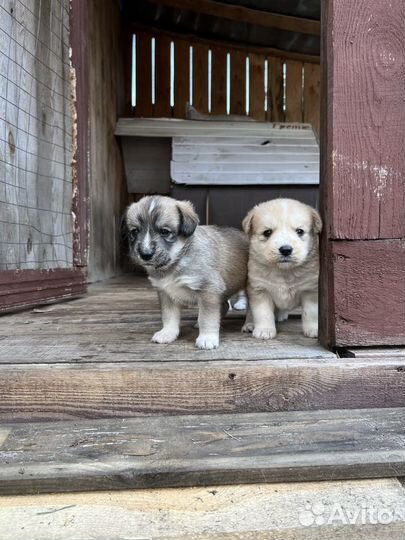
[
  {"x": 200, "y": 78},
  {"x": 127, "y": 71},
  {"x": 256, "y": 86},
  {"x": 238, "y": 83},
  {"x": 294, "y": 91},
  {"x": 312, "y": 98},
  {"x": 143, "y": 75},
  {"x": 181, "y": 77},
  {"x": 162, "y": 106},
  {"x": 218, "y": 88},
  {"x": 276, "y": 113}
]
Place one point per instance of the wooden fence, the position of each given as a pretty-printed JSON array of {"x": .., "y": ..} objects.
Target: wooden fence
[{"x": 167, "y": 72}]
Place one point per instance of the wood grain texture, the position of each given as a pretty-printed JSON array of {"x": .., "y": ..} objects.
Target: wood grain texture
[
  {"x": 106, "y": 170},
  {"x": 365, "y": 81},
  {"x": 312, "y": 96},
  {"x": 181, "y": 77},
  {"x": 245, "y": 512},
  {"x": 162, "y": 106},
  {"x": 200, "y": 78},
  {"x": 275, "y": 111},
  {"x": 30, "y": 392},
  {"x": 37, "y": 142},
  {"x": 247, "y": 15},
  {"x": 369, "y": 289},
  {"x": 174, "y": 451},
  {"x": 144, "y": 106},
  {"x": 238, "y": 83},
  {"x": 218, "y": 92},
  {"x": 257, "y": 90},
  {"x": 294, "y": 92}
]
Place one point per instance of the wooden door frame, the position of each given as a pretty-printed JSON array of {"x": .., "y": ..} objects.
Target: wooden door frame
[
  {"x": 24, "y": 288},
  {"x": 362, "y": 188}
]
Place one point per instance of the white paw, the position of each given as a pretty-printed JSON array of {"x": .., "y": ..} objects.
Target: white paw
[
  {"x": 310, "y": 330},
  {"x": 248, "y": 327},
  {"x": 207, "y": 341},
  {"x": 282, "y": 315},
  {"x": 165, "y": 336},
  {"x": 264, "y": 333}
]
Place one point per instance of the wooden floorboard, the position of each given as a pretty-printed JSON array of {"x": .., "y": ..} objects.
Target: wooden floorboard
[
  {"x": 116, "y": 321},
  {"x": 352, "y": 509},
  {"x": 167, "y": 451}
]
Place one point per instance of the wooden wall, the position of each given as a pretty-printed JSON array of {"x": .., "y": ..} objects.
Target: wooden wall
[
  {"x": 291, "y": 92},
  {"x": 36, "y": 136},
  {"x": 107, "y": 187}
]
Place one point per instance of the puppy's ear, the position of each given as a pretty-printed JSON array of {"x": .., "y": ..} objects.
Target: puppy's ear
[
  {"x": 316, "y": 221},
  {"x": 188, "y": 218},
  {"x": 248, "y": 222}
]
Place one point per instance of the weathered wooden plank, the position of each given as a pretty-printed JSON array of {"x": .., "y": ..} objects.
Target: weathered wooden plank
[
  {"x": 242, "y": 167},
  {"x": 312, "y": 96},
  {"x": 364, "y": 171},
  {"x": 275, "y": 111},
  {"x": 252, "y": 16},
  {"x": 70, "y": 392},
  {"x": 181, "y": 77},
  {"x": 238, "y": 83},
  {"x": 275, "y": 156},
  {"x": 294, "y": 92},
  {"x": 369, "y": 292},
  {"x": 162, "y": 106},
  {"x": 218, "y": 77},
  {"x": 208, "y": 513},
  {"x": 143, "y": 75},
  {"x": 193, "y": 450},
  {"x": 242, "y": 178},
  {"x": 167, "y": 127},
  {"x": 200, "y": 78},
  {"x": 256, "y": 86}
]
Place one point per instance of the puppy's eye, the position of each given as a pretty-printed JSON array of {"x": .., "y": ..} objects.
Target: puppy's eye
[
  {"x": 267, "y": 233},
  {"x": 165, "y": 232},
  {"x": 133, "y": 233},
  {"x": 300, "y": 232}
]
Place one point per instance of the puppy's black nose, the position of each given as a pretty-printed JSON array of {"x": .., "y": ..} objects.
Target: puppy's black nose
[
  {"x": 285, "y": 250},
  {"x": 146, "y": 255}
]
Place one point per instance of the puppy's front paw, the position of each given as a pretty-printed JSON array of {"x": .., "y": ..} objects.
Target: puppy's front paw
[
  {"x": 310, "y": 330},
  {"x": 248, "y": 327},
  {"x": 165, "y": 336},
  {"x": 207, "y": 341},
  {"x": 264, "y": 333}
]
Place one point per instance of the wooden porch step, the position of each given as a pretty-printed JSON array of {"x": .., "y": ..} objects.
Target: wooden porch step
[{"x": 170, "y": 451}]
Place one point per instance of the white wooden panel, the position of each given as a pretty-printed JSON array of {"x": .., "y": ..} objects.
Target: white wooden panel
[
  {"x": 250, "y": 160},
  {"x": 248, "y": 157},
  {"x": 250, "y": 168},
  {"x": 245, "y": 179}
]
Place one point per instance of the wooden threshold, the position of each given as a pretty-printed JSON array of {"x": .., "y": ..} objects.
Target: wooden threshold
[{"x": 170, "y": 451}]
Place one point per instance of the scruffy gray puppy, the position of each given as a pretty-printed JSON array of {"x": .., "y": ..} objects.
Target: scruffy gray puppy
[{"x": 188, "y": 264}]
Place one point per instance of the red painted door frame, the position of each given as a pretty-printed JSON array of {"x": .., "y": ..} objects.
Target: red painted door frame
[
  {"x": 23, "y": 288},
  {"x": 362, "y": 285}
]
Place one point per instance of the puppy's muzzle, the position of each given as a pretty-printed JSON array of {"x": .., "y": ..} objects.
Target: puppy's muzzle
[{"x": 285, "y": 250}]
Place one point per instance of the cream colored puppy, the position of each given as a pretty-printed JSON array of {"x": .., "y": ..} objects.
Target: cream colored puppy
[{"x": 283, "y": 265}]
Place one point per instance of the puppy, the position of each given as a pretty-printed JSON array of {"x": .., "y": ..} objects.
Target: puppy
[
  {"x": 188, "y": 264},
  {"x": 283, "y": 265}
]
